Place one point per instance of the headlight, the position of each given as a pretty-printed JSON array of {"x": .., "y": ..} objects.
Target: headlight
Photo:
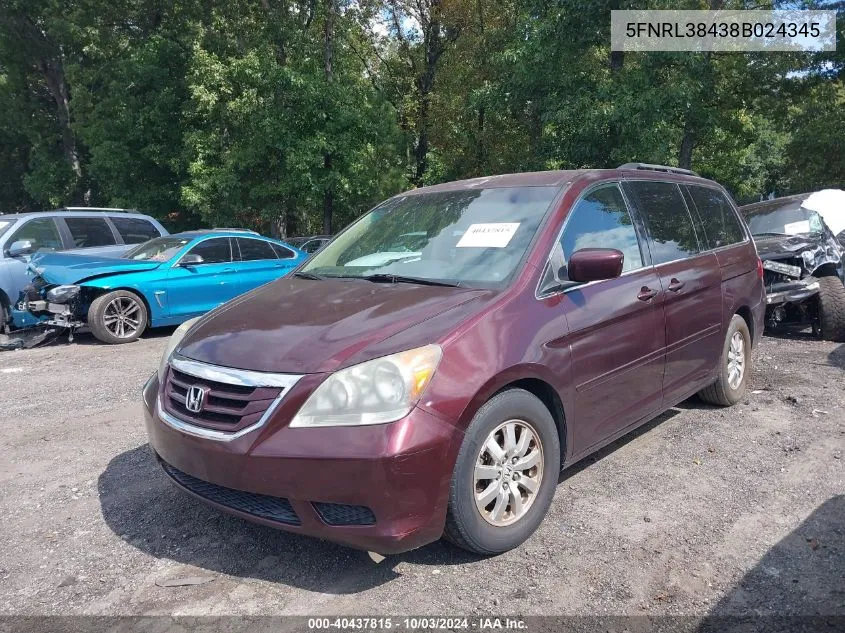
[
  {"x": 378, "y": 391},
  {"x": 62, "y": 294},
  {"x": 172, "y": 344}
]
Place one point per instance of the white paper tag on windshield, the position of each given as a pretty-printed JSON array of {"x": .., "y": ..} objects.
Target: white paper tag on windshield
[
  {"x": 794, "y": 228},
  {"x": 493, "y": 235}
]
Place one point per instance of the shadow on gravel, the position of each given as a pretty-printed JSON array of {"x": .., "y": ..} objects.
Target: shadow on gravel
[
  {"x": 142, "y": 506},
  {"x": 800, "y": 577},
  {"x": 837, "y": 357}
]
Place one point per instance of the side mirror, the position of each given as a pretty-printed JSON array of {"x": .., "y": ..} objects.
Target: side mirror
[
  {"x": 595, "y": 264},
  {"x": 191, "y": 259},
  {"x": 21, "y": 248}
]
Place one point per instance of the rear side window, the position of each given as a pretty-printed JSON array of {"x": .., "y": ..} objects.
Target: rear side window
[
  {"x": 721, "y": 225},
  {"x": 88, "y": 232},
  {"x": 135, "y": 230},
  {"x": 282, "y": 252},
  {"x": 601, "y": 220},
  {"x": 669, "y": 223},
  {"x": 214, "y": 251},
  {"x": 254, "y": 249},
  {"x": 42, "y": 232}
]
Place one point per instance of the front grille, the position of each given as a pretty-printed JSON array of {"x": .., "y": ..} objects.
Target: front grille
[
  {"x": 341, "y": 514},
  {"x": 227, "y": 407},
  {"x": 263, "y": 506}
]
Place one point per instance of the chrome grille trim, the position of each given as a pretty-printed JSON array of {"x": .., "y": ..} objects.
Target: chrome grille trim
[{"x": 227, "y": 375}]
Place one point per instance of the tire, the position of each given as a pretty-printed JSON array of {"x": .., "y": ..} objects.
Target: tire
[
  {"x": 4, "y": 316},
  {"x": 466, "y": 527},
  {"x": 105, "y": 308},
  {"x": 831, "y": 309},
  {"x": 723, "y": 392}
]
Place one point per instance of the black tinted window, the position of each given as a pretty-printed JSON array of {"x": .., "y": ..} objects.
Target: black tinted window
[
  {"x": 135, "y": 230},
  {"x": 721, "y": 224},
  {"x": 255, "y": 249},
  {"x": 601, "y": 220},
  {"x": 41, "y": 232},
  {"x": 215, "y": 251},
  {"x": 282, "y": 252},
  {"x": 88, "y": 232},
  {"x": 313, "y": 246},
  {"x": 668, "y": 220}
]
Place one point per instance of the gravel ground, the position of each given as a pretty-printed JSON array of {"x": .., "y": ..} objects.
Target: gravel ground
[{"x": 703, "y": 511}]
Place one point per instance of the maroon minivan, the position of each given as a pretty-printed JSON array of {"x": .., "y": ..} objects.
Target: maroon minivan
[{"x": 431, "y": 370}]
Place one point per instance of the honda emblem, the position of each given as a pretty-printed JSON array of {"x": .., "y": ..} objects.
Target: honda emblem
[{"x": 195, "y": 399}]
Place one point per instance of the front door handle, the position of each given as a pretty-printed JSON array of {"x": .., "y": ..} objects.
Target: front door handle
[
  {"x": 646, "y": 294},
  {"x": 675, "y": 285}
]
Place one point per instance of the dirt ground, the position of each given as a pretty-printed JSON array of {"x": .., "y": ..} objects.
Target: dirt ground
[{"x": 703, "y": 511}]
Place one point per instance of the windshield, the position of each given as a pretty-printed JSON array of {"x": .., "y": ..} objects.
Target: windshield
[
  {"x": 476, "y": 237},
  {"x": 792, "y": 219},
  {"x": 160, "y": 249}
]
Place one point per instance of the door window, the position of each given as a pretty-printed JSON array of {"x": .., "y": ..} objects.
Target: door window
[
  {"x": 668, "y": 220},
  {"x": 135, "y": 230},
  {"x": 601, "y": 220},
  {"x": 254, "y": 249},
  {"x": 88, "y": 232},
  {"x": 213, "y": 251},
  {"x": 42, "y": 232},
  {"x": 721, "y": 224}
]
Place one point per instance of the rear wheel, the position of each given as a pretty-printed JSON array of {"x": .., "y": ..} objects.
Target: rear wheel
[
  {"x": 505, "y": 475},
  {"x": 4, "y": 316},
  {"x": 117, "y": 317},
  {"x": 831, "y": 309},
  {"x": 734, "y": 366}
]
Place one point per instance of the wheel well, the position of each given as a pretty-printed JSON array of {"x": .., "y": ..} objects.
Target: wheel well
[
  {"x": 549, "y": 397},
  {"x": 745, "y": 313},
  {"x": 826, "y": 270},
  {"x": 99, "y": 292}
]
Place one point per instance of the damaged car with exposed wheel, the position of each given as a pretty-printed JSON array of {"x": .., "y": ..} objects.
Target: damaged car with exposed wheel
[
  {"x": 162, "y": 282},
  {"x": 803, "y": 265}
]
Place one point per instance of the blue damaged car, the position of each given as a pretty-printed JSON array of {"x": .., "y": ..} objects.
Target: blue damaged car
[{"x": 164, "y": 281}]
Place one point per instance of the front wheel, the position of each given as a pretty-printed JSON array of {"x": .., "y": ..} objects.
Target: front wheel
[
  {"x": 117, "y": 317},
  {"x": 505, "y": 475},
  {"x": 734, "y": 366},
  {"x": 831, "y": 325}
]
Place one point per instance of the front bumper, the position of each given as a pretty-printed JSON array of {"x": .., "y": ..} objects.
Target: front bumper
[
  {"x": 792, "y": 291},
  {"x": 326, "y": 477}
]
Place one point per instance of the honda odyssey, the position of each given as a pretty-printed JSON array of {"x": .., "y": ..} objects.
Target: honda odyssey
[{"x": 383, "y": 398}]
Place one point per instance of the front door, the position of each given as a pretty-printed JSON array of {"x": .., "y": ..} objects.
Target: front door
[
  {"x": 197, "y": 288},
  {"x": 616, "y": 331},
  {"x": 692, "y": 283}
]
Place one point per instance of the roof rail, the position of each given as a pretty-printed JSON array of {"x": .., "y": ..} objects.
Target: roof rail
[
  {"x": 666, "y": 168},
  {"x": 234, "y": 230},
  {"x": 98, "y": 209}
]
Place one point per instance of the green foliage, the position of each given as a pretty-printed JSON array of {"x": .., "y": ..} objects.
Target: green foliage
[{"x": 284, "y": 114}]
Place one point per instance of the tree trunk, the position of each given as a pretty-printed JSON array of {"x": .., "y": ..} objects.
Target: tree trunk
[
  {"x": 54, "y": 75},
  {"x": 687, "y": 145},
  {"x": 328, "y": 55}
]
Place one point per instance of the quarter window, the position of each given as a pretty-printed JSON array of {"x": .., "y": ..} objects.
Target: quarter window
[
  {"x": 668, "y": 220},
  {"x": 88, "y": 232},
  {"x": 282, "y": 252},
  {"x": 135, "y": 230},
  {"x": 721, "y": 224},
  {"x": 601, "y": 220},
  {"x": 252, "y": 250},
  {"x": 41, "y": 232},
  {"x": 214, "y": 251}
]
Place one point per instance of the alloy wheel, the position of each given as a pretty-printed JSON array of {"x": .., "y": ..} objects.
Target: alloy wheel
[
  {"x": 508, "y": 472},
  {"x": 122, "y": 317},
  {"x": 736, "y": 360}
]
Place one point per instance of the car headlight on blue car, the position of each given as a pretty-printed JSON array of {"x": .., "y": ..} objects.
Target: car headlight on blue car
[
  {"x": 375, "y": 392},
  {"x": 62, "y": 294},
  {"x": 172, "y": 344}
]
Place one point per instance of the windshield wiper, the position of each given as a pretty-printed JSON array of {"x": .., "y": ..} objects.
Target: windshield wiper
[
  {"x": 304, "y": 275},
  {"x": 402, "y": 279},
  {"x": 769, "y": 233}
]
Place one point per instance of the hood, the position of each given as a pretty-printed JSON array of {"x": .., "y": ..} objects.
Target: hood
[
  {"x": 61, "y": 268},
  {"x": 302, "y": 326},
  {"x": 785, "y": 246}
]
